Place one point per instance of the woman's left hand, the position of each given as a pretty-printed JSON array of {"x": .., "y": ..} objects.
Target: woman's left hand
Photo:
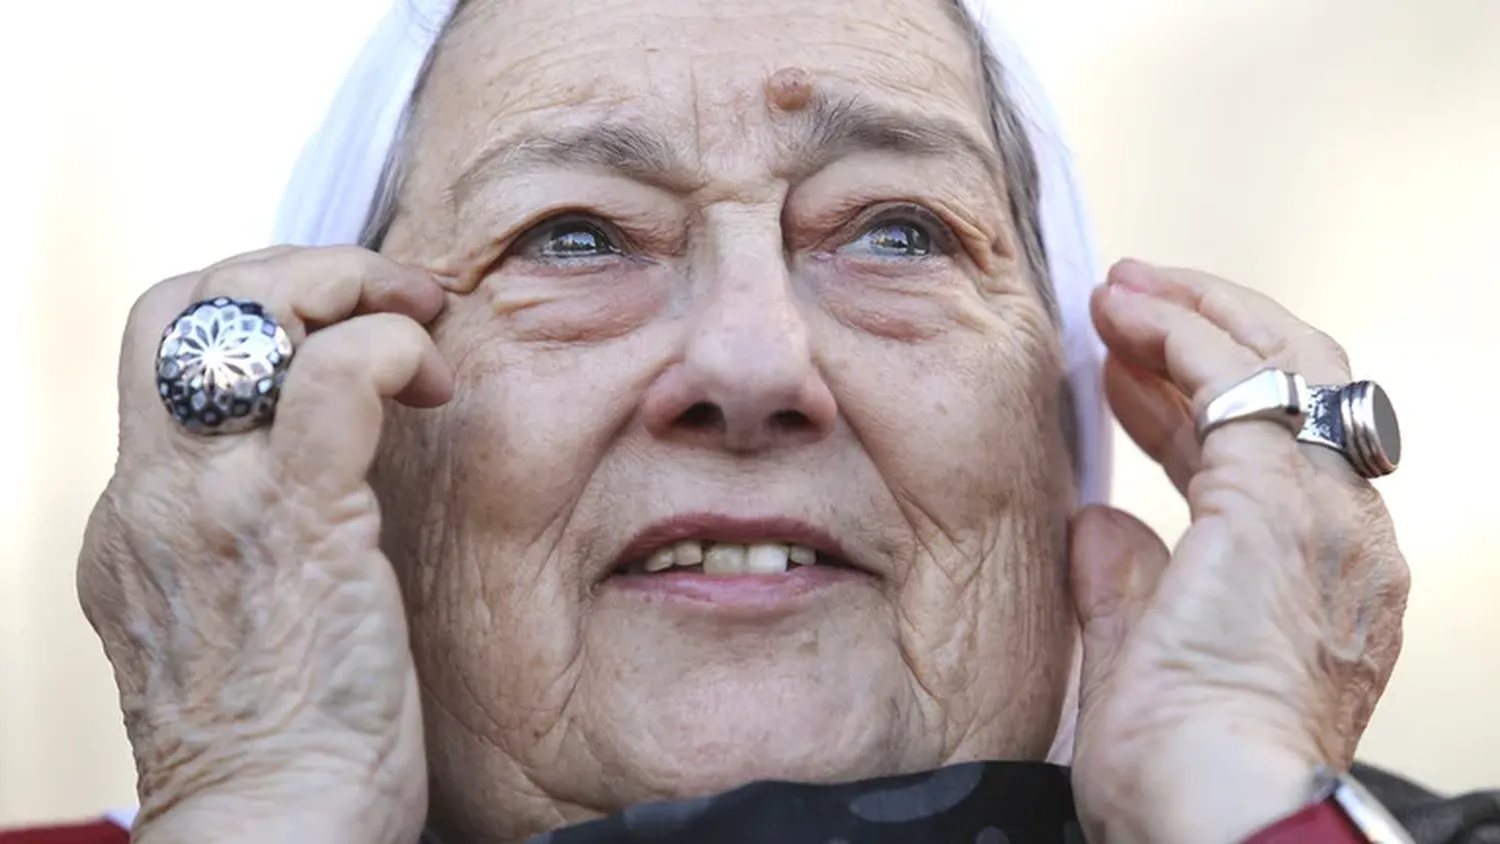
[{"x": 1218, "y": 676}]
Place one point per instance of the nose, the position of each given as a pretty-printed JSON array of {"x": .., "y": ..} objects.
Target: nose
[{"x": 746, "y": 381}]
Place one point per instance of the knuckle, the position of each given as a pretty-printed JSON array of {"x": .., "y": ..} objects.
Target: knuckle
[
  {"x": 1219, "y": 297},
  {"x": 1277, "y": 348},
  {"x": 299, "y": 268},
  {"x": 129, "y": 509},
  {"x": 1356, "y": 536},
  {"x": 249, "y": 280},
  {"x": 345, "y": 264},
  {"x": 394, "y": 336},
  {"x": 1366, "y": 525},
  {"x": 103, "y": 551},
  {"x": 1396, "y": 576},
  {"x": 1324, "y": 346},
  {"x": 253, "y": 256},
  {"x": 352, "y": 255},
  {"x": 1270, "y": 492},
  {"x": 357, "y": 255},
  {"x": 327, "y": 356},
  {"x": 160, "y": 303},
  {"x": 401, "y": 333}
]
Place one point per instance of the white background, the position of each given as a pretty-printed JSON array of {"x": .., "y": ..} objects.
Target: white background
[{"x": 1343, "y": 155}]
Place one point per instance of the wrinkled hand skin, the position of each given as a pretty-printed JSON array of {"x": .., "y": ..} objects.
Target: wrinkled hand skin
[
  {"x": 255, "y": 628},
  {"x": 1217, "y": 675}
]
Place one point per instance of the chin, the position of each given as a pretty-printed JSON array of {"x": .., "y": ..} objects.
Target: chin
[
  {"x": 697, "y": 753},
  {"x": 680, "y": 712}
]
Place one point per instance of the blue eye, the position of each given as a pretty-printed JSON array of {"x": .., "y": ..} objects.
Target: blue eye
[
  {"x": 898, "y": 240},
  {"x": 907, "y": 236},
  {"x": 569, "y": 239}
]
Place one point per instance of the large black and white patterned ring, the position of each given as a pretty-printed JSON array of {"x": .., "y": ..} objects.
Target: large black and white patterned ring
[{"x": 220, "y": 366}]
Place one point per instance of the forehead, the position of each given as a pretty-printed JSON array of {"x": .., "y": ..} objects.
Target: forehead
[{"x": 696, "y": 67}]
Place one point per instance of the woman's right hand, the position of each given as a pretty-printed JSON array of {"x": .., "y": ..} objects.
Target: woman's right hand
[{"x": 255, "y": 628}]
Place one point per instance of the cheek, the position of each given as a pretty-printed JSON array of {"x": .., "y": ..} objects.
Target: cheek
[
  {"x": 477, "y": 494},
  {"x": 974, "y": 428},
  {"x": 896, "y": 303},
  {"x": 971, "y": 447},
  {"x": 482, "y": 496},
  {"x": 543, "y": 376}
]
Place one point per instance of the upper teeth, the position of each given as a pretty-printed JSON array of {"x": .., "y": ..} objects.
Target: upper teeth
[{"x": 730, "y": 558}]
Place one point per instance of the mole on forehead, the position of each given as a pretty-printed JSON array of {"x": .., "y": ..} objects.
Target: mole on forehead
[{"x": 789, "y": 89}]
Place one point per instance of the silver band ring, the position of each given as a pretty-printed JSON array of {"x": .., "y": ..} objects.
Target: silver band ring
[
  {"x": 1357, "y": 420},
  {"x": 220, "y": 366}
]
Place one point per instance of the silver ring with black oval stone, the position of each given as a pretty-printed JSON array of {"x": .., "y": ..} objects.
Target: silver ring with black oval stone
[
  {"x": 1357, "y": 420},
  {"x": 220, "y": 366}
]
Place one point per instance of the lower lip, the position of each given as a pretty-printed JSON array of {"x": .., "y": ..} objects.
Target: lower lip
[{"x": 748, "y": 592}]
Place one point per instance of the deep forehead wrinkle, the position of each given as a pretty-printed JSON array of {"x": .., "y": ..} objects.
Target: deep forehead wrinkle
[{"x": 829, "y": 128}]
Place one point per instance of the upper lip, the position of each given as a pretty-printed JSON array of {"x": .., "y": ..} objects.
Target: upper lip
[{"x": 714, "y": 527}]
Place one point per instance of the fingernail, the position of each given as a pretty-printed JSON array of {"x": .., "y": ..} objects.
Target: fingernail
[{"x": 1132, "y": 276}]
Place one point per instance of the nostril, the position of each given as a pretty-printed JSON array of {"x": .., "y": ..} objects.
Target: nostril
[
  {"x": 701, "y": 416},
  {"x": 790, "y": 420}
]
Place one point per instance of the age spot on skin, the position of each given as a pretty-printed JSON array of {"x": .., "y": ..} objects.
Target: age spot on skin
[{"x": 789, "y": 89}]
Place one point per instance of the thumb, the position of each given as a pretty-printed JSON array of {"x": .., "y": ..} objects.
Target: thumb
[{"x": 1115, "y": 561}]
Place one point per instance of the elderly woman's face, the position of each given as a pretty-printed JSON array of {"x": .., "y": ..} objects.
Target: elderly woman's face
[{"x": 737, "y": 281}]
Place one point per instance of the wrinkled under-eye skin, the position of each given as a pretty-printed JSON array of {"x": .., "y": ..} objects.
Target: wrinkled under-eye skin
[{"x": 879, "y": 298}]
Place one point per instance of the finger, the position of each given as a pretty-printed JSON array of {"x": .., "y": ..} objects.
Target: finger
[
  {"x": 1150, "y": 320},
  {"x": 302, "y": 289},
  {"x": 270, "y": 253},
  {"x": 329, "y": 415},
  {"x": 1199, "y": 359},
  {"x": 1250, "y": 317},
  {"x": 264, "y": 254},
  {"x": 1115, "y": 562},
  {"x": 1164, "y": 338},
  {"x": 1156, "y": 416},
  {"x": 312, "y": 288}
]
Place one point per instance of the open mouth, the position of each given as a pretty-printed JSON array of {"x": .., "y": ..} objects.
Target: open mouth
[{"x": 695, "y": 556}]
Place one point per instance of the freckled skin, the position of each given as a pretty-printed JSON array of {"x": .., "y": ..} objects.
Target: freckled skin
[
  {"x": 933, "y": 445},
  {"x": 789, "y": 89}
]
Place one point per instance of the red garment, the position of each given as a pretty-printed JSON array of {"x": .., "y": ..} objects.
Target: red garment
[
  {"x": 1320, "y": 823},
  {"x": 99, "y": 832}
]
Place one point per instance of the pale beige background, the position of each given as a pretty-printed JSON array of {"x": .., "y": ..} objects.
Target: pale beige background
[{"x": 1342, "y": 154}]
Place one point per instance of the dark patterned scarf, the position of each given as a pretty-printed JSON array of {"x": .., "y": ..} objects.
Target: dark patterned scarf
[{"x": 979, "y": 802}]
